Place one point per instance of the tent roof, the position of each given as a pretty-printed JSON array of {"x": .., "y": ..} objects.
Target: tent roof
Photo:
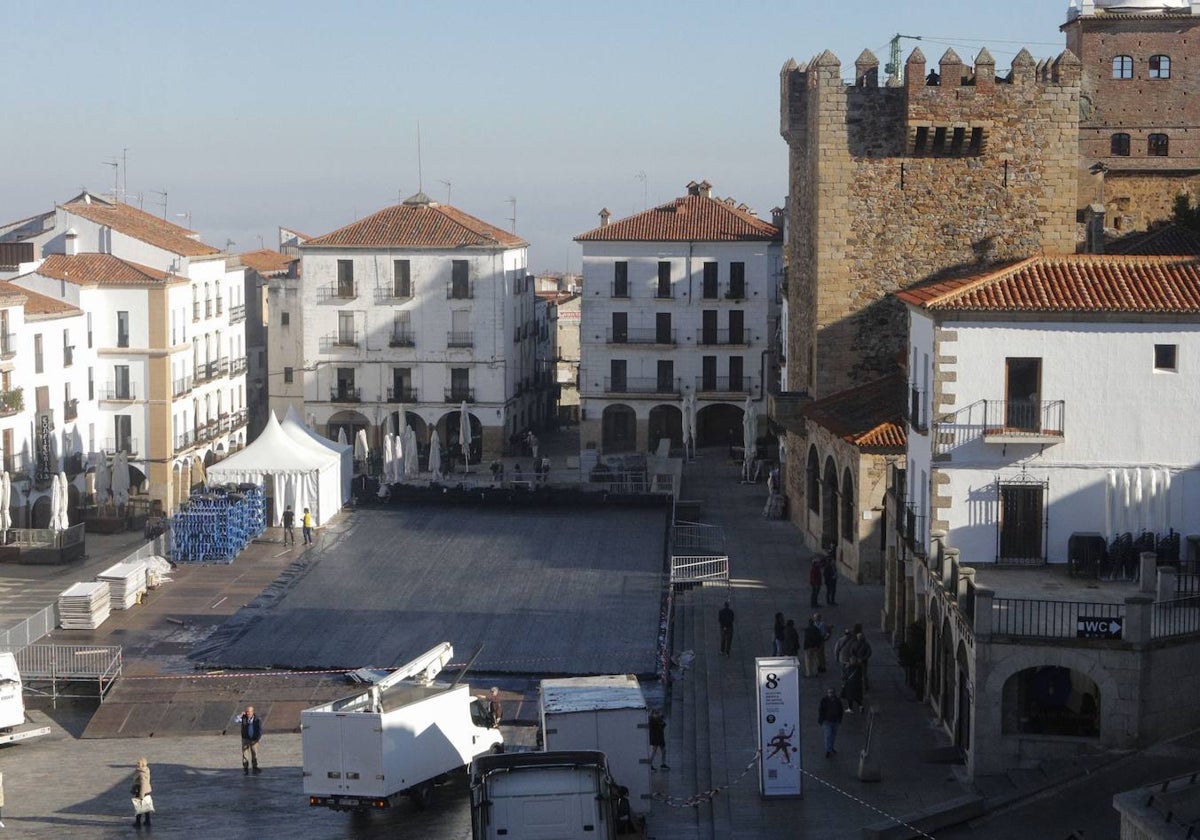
[
  {"x": 294, "y": 426},
  {"x": 273, "y": 451}
]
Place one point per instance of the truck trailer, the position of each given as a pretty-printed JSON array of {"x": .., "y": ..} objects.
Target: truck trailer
[
  {"x": 562, "y": 795},
  {"x": 399, "y": 737}
]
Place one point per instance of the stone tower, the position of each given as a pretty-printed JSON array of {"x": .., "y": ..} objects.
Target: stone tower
[{"x": 892, "y": 186}]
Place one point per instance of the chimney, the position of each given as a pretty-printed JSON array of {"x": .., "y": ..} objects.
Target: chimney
[
  {"x": 604, "y": 216},
  {"x": 777, "y": 217},
  {"x": 1093, "y": 218},
  {"x": 705, "y": 189},
  {"x": 71, "y": 242}
]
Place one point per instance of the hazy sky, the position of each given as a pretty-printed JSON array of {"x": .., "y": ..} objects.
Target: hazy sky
[{"x": 252, "y": 114}]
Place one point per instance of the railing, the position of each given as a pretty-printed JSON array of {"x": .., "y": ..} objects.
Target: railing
[
  {"x": 211, "y": 370},
  {"x": 725, "y": 384},
  {"x": 460, "y": 291},
  {"x": 127, "y": 445},
  {"x": 205, "y": 431},
  {"x": 694, "y": 538},
  {"x": 345, "y": 395},
  {"x": 736, "y": 292},
  {"x": 664, "y": 292},
  {"x": 183, "y": 440},
  {"x": 686, "y": 569},
  {"x": 46, "y": 537},
  {"x": 237, "y": 313},
  {"x": 220, "y": 304},
  {"x": 70, "y": 409},
  {"x": 196, "y": 310},
  {"x": 238, "y": 419},
  {"x": 113, "y": 393},
  {"x": 620, "y": 290},
  {"x": 402, "y": 338},
  {"x": 181, "y": 386},
  {"x": 914, "y": 531},
  {"x": 40, "y": 624},
  {"x": 641, "y": 385},
  {"x": 70, "y": 663},
  {"x": 208, "y": 309},
  {"x": 649, "y": 335},
  {"x": 1180, "y": 617},
  {"x": 1048, "y": 619},
  {"x": 737, "y": 338},
  {"x": 1035, "y": 418},
  {"x": 454, "y": 395},
  {"x": 344, "y": 290},
  {"x": 460, "y": 339},
  {"x": 406, "y": 394},
  {"x": 11, "y": 401},
  {"x": 237, "y": 365},
  {"x": 390, "y": 292},
  {"x": 917, "y": 417},
  {"x": 8, "y": 345}
]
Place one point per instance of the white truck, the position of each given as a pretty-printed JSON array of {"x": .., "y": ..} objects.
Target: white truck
[
  {"x": 12, "y": 704},
  {"x": 561, "y": 795},
  {"x": 401, "y": 736},
  {"x": 605, "y": 713}
]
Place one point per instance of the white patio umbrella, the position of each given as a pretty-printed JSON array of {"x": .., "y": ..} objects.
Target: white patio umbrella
[
  {"x": 691, "y": 420},
  {"x": 464, "y": 433},
  {"x": 120, "y": 479},
  {"x": 5, "y": 506},
  {"x": 341, "y": 438},
  {"x": 1165, "y": 510},
  {"x": 64, "y": 507},
  {"x": 1139, "y": 500},
  {"x": 55, "y": 502},
  {"x": 103, "y": 479},
  {"x": 435, "y": 455},
  {"x": 685, "y": 407},
  {"x": 749, "y": 433},
  {"x": 1110, "y": 504},
  {"x": 412, "y": 458},
  {"x": 389, "y": 457}
]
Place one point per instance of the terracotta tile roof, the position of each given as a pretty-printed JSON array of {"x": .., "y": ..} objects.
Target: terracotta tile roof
[
  {"x": 266, "y": 261},
  {"x": 140, "y": 225},
  {"x": 100, "y": 270},
  {"x": 39, "y": 304},
  {"x": 1168, "y": 240},
  {"x": 419, "y": 223},
  {"x": 870, "y": 416},
  {"x": 1071, "y": 283},
  {"x": 692, "y": 218}
]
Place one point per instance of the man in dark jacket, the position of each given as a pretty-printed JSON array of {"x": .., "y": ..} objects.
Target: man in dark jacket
[
  {"x": 813, "y": 641},
  {"x": 791, "y": 639},
  {"x": 725, "y": 619},
  {"x": 829, "y": 715},
  {"x": 289, "y": 527},
  {"x": 251, "y": 734}
]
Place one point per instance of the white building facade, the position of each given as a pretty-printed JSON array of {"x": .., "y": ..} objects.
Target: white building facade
[
  {"x": 680, "y": 300},
  {"x": 400, "y": 318}
]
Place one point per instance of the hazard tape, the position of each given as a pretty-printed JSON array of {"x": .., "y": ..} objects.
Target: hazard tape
[
  {"x": 228, "y": 675},
  {"x": 698, "y": 799}
]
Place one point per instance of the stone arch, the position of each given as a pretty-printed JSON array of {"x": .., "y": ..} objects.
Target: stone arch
[
  {"x": 177, "y": 483},
  {"x": 945, "y": 686},
  {"x": 849, "y": 507},
  {"x": 719, "y": 424},
  {"x": 618, "y": 429},
  {"x": 39, "y": 515},
  {"x": 829, "y": 504},
  {"x": 416, "y": 421},
  {"x": 448, "y": 433},
  {"x": 1053, "y": 700},
  {"x": 812, "y": 477},
  {"x": 666, "y": 421},
  {"x": 964, "y": 697},
  {"x": 348, "y": 422}
]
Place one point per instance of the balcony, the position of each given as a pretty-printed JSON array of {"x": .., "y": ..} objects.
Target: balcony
[
  {"x": 220, "y": 306},
  {"x": 237, "y": 366},
  {"x": 12, "y": 402},
  {"x": 237, "y": 313},
  {"x": 183, "y": 441},
  {"x": 642, "y": 336},
  {"x": 402, "y": 338},
  {"x": 914, "y": 531},
  {"x": 205, "y": 432},
  {"x": 68, "y": 356},
  {"x": 195, "y": 310},
  {"x": 211, "y": 370},
  {"x": 460, "y": 291},
  {"x": 460, "y": 339},
  {"x": 642, "y": 385},
  {"x": 736, "y": 292},
  {"x": 620, "y": 290},
  {"x": 118, "y": 393},
  {"x": 1023, "y": 421},
  {"x": 238, "y": 419},
  {"x": 208, "y": 309},
  {"x": 918, "y": 418},
  {"x": 339, "y": 341},
  {"x": 741, "y": 385},
  {"x": 457, "y": 395},
  {"x": 70, "y": 410},
  {"x": 392, "y": 293},
  {"x": 723, "y": 338},
  {"x": 664, "y": 292},
  {"x": 127, "y": 445},
  {"x": 8, "y": 345},
  {"x": 345, "y": 394},
  {"x": 403, "y": 394}
]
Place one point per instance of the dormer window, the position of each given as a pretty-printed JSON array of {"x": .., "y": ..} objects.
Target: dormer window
[
  {"x": 1160, "y": 67},
  {"x": 1123, "y": 67}
]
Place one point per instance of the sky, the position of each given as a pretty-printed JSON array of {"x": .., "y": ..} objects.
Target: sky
[{"x": 256, "y": 114}]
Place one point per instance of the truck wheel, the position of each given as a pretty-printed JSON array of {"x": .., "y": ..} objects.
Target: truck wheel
[{"x": 422, "y": 796}]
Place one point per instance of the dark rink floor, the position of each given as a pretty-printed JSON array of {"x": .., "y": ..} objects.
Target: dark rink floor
[{"x": 542, "y": 591}]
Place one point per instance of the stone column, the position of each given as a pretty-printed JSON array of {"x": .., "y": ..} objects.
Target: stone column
[
  {"x": 1138, "y": 614},
  {"x": 1168, "y": 584},
  {"x": 984, "y": 601},
  {"x": 1147, "y": 572}
]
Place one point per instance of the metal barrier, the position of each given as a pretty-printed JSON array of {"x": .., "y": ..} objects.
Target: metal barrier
[
  {"x": 46, "y": 537},
  {"x": 688, "y": 569},
  {"x": 696, "y": 538},
  {"x": 30, "y": 630},
  {"x": 1047, "y": 619},
  {"x": 58, "y": 664},
  {"x": 1180, "y": 617}
]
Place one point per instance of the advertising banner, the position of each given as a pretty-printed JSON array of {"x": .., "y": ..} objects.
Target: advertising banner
[{"x": 778, "y": 694}]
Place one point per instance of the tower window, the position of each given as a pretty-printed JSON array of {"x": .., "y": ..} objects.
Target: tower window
[
  {"x": 1157, "y": 145},
  {"x": 1160, "y": 67},
  {"x": 1120, "y": 145},
  {"x": 1123, "y": 67}
]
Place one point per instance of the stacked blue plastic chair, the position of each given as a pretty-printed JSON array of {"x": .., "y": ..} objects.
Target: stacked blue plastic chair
[{"x": 215, "y": 526}]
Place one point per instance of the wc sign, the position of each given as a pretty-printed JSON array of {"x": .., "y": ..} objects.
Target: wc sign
[{"x": 1089, "y": 627}]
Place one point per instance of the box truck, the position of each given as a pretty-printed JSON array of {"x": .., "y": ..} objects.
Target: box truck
[
  {"x": 12, "y": 704},
  {"x": 561, "y": 795},
  {"x": 605, "y": 713},
  {"x": 399, "y": 737}
]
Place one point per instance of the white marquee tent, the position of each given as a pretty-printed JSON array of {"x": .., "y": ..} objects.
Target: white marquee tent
[
  {"x": 293, "y": 475},
  {"x": 293, "y": 424}
]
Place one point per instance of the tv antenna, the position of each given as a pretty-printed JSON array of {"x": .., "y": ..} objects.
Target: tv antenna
[
  {"x": 186, "y": 215},
  {"x": 512, "y": 199},
  {"x": 125, "y": 174},
  {"x": 420, "y": 180},
  {"x": 116, "y": 167},
  {"x": 448, "y": 186},
  {"x": 163, "y": 203},
  {"x": 258, "y": 236}
]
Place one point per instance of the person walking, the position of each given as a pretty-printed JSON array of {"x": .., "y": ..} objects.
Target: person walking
[
  {"x": 860, "y": 649},
  {"x": 725, "y": 619},
  {"x": 139, "y": 791},
  {"x": 826, "y": 630},
  {"x": 814, "y": 582},
  {"x": 658, "y": 741},
  {"x": 829, "y": 715},
  {"x": 289, "y": 527},
  {"x": 495, "y": 707},
  {"x": 841, "y": 650},
  {"x": 830, "y": 574},
  {"x": 812, "y": 646},
  {"x": 852, "y": 685},
  {"x": 306, "y": 525},
  {"x": 778, "y": 635},
  {"x": 251, "y": 734},
  {"x": 791, "y": 639}
]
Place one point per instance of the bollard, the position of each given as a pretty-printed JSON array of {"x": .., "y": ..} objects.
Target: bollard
[{"x": 868, "y": 761}]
